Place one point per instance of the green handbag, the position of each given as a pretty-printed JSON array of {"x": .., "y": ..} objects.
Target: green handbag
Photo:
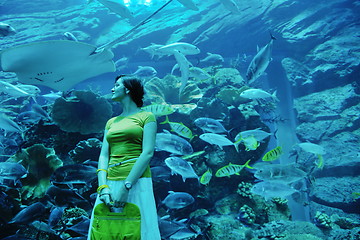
[{"x": 109, "y": 225}]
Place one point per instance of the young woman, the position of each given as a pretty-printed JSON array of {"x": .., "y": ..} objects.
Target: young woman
[{"x": 128, "y": 146}]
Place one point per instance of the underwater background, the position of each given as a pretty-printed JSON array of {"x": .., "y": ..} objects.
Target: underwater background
[{"x": 216, "y": 181}]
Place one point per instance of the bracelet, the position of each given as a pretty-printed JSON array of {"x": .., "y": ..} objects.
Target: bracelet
[
  {"x": 97, "y": 171},
  {"x": 101, "y": 188}
]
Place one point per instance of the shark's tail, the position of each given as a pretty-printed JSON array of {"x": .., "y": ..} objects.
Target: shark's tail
[{"x": 272, "y": 36}]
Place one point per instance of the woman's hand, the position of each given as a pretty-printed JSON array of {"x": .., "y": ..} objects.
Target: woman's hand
[
  {"x": 105, "y": 196},
  {"x": 123, "y": 197}
]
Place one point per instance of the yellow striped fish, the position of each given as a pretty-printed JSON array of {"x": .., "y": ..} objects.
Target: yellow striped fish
[
  {"x": 159, "y": 109},
  {"x": 179, "y": 128},
  {"x": 206, "y": 177},
  {"x": 320, "y": 163},
  {"x": 231, "y": 169},
  {"x": 273, "y": 154}
]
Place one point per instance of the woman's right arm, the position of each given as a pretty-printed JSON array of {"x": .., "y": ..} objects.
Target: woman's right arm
[{"x": 103, "y": 164}]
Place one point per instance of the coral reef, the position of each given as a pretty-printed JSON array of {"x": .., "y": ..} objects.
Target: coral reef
[
  {"x": 228, "y": 76},
  {"x": 247, "y": 215},
  {"x": 303, "y": 236},
  {"x": 231, "y": 95},
  {"x": 322, "y": 220},
  {"x": 282, "y": 229},
  {"x": 343, "y": 222},
  {"x": 72, "y": 216},
  {"x": 279, "y": 201},
  {"x": 84, "y": 112},
  {"x": 86, "y": 150},
  {"x": 225, "y": 227},
  {"x": 41, "y": 162},
  {"x": 166, "y": 90},
  {"x": 227, "y": 205},
  {"x": 244, "y": 189}
]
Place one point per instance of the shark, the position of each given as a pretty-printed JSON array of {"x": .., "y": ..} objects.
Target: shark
[{"x": 260, "y": 62}]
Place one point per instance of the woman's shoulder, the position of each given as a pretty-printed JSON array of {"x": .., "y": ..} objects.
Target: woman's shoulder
[
  {"x": 147, "y": 116},
  {"x": 146, "y": 113}
]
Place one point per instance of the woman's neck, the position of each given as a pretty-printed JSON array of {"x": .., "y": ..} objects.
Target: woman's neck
[{"x": 129, "y": 109}]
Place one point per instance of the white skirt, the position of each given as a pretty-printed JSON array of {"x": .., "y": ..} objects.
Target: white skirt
[{"x": 142, "y": 195}]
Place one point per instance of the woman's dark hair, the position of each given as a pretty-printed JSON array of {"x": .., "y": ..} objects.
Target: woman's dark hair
[{"x": 136, "y": 88}]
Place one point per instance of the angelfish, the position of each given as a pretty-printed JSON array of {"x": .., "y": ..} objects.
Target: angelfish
[{"x": 260, "y": 62}]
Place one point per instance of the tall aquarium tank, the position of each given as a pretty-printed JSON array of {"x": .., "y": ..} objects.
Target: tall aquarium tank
[{"x": 257, "y": 106}]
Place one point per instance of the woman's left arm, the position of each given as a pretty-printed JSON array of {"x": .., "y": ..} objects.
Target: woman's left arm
[{"x": 148, "y": 147}]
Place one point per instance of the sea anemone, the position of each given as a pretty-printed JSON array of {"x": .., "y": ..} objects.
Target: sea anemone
[{"x": 85, "y": 112}]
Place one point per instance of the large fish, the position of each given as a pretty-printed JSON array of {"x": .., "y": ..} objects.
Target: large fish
[
  {"x": 9, "y": 125},
  {"x": 145, "y": 72},
  {"x": 172, "y": 143},
  {"x": 272, "y": 189},
  {"x": 13, "y": 90},
  {"x": 116, "y": 7},
  {"x": 177, "y": 200},
  {"x": 279, "y": 173},
  {"x": 260, "y": 62},
  {"x": 210, "y": 125},
  {"x": 182, "y": 47},
  {"x": 216, "y": 139},
  {"x": 181, "y": 167},
  {"x": 151, "y": 49},
  {"x": 184, "y": 65},
  {"x": 29, "y": 214},
  {"x": 315, "y": 149},
  {"x": 6, "y": 30},
  {"x": 73, "y": 174},
  {"x": 10, "y": 173}
]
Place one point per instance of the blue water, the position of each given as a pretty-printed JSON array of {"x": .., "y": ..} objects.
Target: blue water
[{"x": 321, "y": 35}]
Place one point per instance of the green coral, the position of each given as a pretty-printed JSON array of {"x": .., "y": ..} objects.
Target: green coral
[
  {"x": 247, "y": 215},
  {"x": 41, "y": 162},
  {"x": 72, "y": 216},
  {"x": 244, "y": 189},
  {"x": 279, "y": 201}
]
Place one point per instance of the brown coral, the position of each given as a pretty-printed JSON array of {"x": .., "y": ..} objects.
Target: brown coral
[
  {"x": 166, "y": 90},
  {"x": 41, "y": 163},
  {"x": 85, "y": 112}
]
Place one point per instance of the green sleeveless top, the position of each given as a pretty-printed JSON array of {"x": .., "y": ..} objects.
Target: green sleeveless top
[{"x": 125, "y": 136}]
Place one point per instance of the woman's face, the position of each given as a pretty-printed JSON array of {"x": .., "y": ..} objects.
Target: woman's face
[{"x": 119, "y": 90}]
